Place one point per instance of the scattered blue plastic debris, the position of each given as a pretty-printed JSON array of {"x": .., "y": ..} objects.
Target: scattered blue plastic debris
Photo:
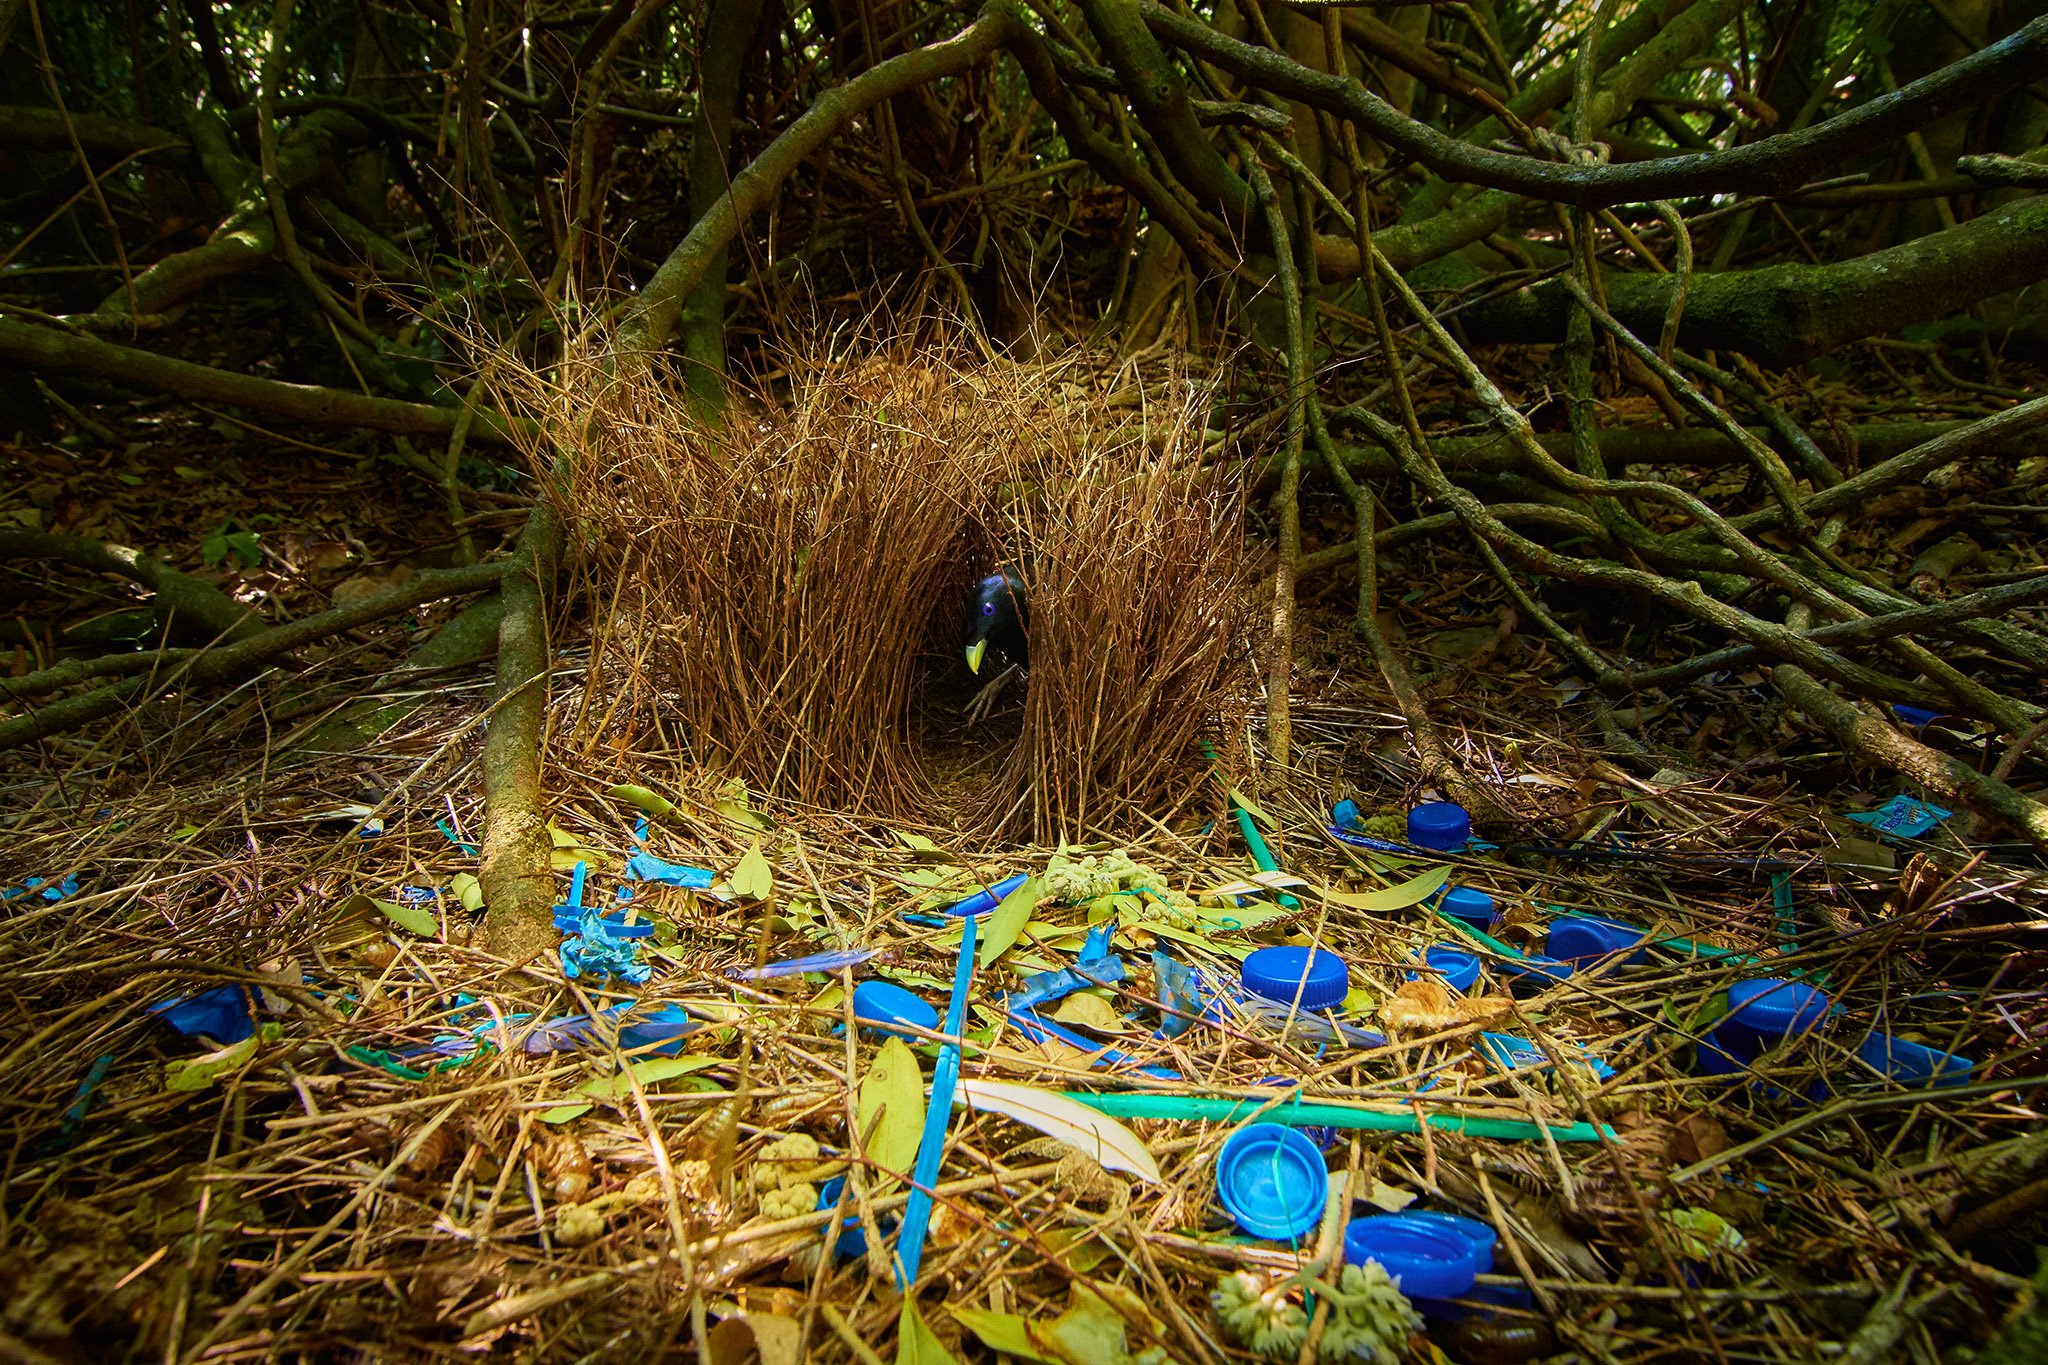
[
  {"x": 1519, "y": 1054},
  {"x": 797, "y": 966},
  {"x": 222, "y": 1014},
  {"x": 43, "y": 887},
  {"x": 456, "y": 839},
  {"x": 417, "y": 895},
  {"x": 1902, "y": 817},
  {"x": 644, "y": 866},
  {"x": 599, "y": 944},
  {"x": 1180, "y": 994},
  {"x": 1917, "y": 717}
]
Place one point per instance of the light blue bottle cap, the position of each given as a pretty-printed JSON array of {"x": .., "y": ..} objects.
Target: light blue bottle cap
[
  {"x": 1476, "y": 908},
  {"x": 1344, "y": 814},
  {"x": 1273, "y": 1181},
  {"x": 1480, "y": 1236},
  {"x": 882, "y": 1003},
  {"x": 1460, "y": 969},
  {"x": 1321, "y": 978},
  {"x": 1912, "y": 1064},
  {"x": 1428, "y": 1260},
  {"x": 1579, "y": 939},
  {"x": 1441, "y": 825}
]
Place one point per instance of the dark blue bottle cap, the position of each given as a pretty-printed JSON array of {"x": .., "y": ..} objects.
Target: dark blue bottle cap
[
  {"x": 1320, "y": 977},
  {"x": 1769, "y": 1008},
  {"x": 1426, "y": 1259},
  {"x": 1478, "y": 1236},
  {"x": 1912, "y": 1064},
  {"x": 883, "y": 1003},
  {"x": 1579, "y": 939},
  {"x": 1476, "y": 908},
  {"x": 981, "y": 902},
  {"x": 1714, "y": 1056},
  {"x": 1533, "y": 974},
  {"x": 1272, "y": 1180},
  {"x": 1441, "y": 825},
  {"x": 1344, "y": 814},
  {"x": 1459, "y": 969},
  {"x": 852, "y": 1241}
]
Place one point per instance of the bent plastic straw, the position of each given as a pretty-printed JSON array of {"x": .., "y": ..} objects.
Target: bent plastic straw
[{"x": 1296, "y": 1114}]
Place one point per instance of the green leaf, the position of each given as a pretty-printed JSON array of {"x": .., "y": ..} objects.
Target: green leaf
[
  {"x": 893, "y": 1092},
  {"x": 1089, "y": 1330},
  {"x": 646, "y": 798},
  {"x": 197, "y": 1073},
  {"x": 213, "y": 549},
  {"x": 916, "y": 1343},
  {"x": 246, "y": 548},
  {"x": 1005, "y": 1332},
  {"x": 1089, "y": 1130},
  {"x": 648, "y": 1071},
  {"x": 1007, "y": 920},
  {"x": 922, "y": 847},
  {"x": 1251, "y": 808},
  {"x": 1414, "y": 891},
  {"x": 562, "y": 1113},
  {"x": 414, "y": 919},
  {"x": 189, "y": 474},
  {"x": 468, "y": 890},
  {"x": 752, "y": 877},
  {"x": 735, "y": 805}
]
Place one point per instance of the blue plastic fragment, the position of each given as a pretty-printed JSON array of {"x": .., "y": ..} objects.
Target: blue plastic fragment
[
  {"x": 1180, "y": 994},
  {"x": 987, "y": 899},
  {"x": 660, "y": 1027},
  {"x": 1519, "y": 1054},
  {"x": 797, "y": 966},
  {"x": 1046, "y": 987},
  {"x": 644, "y": 866},
  {"x": 569, "y": 920},
  {"x": 1914, "y": 1064},
  {"x": 456, "y": 839},
  {"x": 417, "y": 895},
  {"x": 81, "y": 1100},
  {"x": 222, "y": 1014},
  {"x": 1916, "y": 716},
  {"x": 43, "y": 887},
  {"x": 1902, "y": 817},
  {"x": 1344, "y": 814},
  {"x": 1043, "y": 1030}
]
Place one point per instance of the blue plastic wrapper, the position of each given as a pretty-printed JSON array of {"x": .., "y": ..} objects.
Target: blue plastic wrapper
[
  {"x": 645, "y": 867},
  {"x": 1902, "y": 817},
  {"x": 222, "y": 1014},
  {"x": 1180, "y": 994},
  {"x": 1519, "y": 1054},
  {"x": 797, "y": 966},
  {"x": 660, "y": 1028}
]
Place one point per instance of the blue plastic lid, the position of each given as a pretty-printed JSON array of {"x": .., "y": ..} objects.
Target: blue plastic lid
[
  {"x": 1587, "y": 938},
  {"x": 1460, "y": 969},
  {"x": 1273, "y": 1181},
  {"x": 1441, "y": 825},
  {"x": 1278, "y": 973},
  {"x": 1344, "y": 814},
  {"x": 883, "y": 1003},
  {"x": 1534, "y": 973},
  {"x": 1772, "y": 1007},
  {"x": 1428, "y": 1260},
  {"x": 1476, "y": 908},
  {"x": 1712, "y": 1057},
  {"x": 852, "y": 1241},
  {"x": 1912, "y": 1063},
  {"x": 1479, "y": 1236}
]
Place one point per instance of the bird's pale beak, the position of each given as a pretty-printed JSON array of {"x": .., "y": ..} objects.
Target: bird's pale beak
[{"x": 974, "y": 653}]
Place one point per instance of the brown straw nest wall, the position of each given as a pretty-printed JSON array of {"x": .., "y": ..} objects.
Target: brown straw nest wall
[{"x": 786, "y": 584}]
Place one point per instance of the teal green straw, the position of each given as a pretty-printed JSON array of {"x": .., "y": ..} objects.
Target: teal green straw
[{"x": 1295, "y": 1114}]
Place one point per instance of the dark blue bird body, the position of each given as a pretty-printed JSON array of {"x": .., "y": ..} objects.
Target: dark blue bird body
[{"x": 998, "y": 619}]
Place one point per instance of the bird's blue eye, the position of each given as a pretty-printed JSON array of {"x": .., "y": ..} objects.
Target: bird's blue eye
[{"x": 988, "y": 609}]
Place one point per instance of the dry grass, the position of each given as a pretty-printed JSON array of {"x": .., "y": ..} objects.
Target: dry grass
[{"x": 786, "y": 584}]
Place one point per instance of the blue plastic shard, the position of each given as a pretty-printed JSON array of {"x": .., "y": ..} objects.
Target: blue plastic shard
[
  {"x": 1046, "y": 987},
  {"x": 1918, "y": 717},
  {"x": 1519, "y": 1054},
  {"x": 660, "y": 1028},
  {"x": 645, "y": 867},
  {"x": 1902, "y": 817},
  {"x": 456, "y": 839},
  {"x": 797, "y": 966},
  {"x": 1180, "y": 994},
  {"x": 43, "y": 887},
  {"x": 1311, "y": 1026},
  {"x": 417, "y": 895},
  {"x": 1045, "y": 1030},
  {"x": 222, "y": 1014}
]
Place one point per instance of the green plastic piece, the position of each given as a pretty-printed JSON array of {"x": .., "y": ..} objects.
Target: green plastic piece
[{"x": 1296, "y": 1114}]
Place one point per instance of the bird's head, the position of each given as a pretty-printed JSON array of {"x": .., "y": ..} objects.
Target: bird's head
[{"x": 997, "y": 617}]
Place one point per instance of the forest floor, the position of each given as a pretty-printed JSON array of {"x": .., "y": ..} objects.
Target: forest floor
[{"x": 359, "y": 1137}]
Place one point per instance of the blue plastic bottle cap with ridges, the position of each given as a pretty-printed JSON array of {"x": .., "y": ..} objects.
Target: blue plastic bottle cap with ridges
[
  {"x": 1913, "y": 1064},
  {"x": 1476, "y": 908},
  {"x": 1768, "y": 1008},
  {"x": 1480, "y": 1236},
  {"x": 1320, "y": 977},
  {"x": 1460, "y": 969},
  {"x": 1588, "y": 938},
  {"x": 883, "y": 1003},
  {"x": 1534, "y": 973},
  {"x": 1429, "y": 1260},
  {"x": 1272, "y": 1180},
  {"x": 1441, "y": 825}
]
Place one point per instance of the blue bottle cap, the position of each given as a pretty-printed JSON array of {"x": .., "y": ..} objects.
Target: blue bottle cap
[
  {"x": 1459, "y": 968},
  {"x": 1912, "y": 1064},
  {"x": 1278, "y": 973},
  {"x": 1579, "y": 939},
  {"x": 1535, "y": 973},
  {"x": 1272, "y": 1180},
  {"x": 1714, "y": 1056},
  {"x": 1476, "y": 908},
  {"x": 1428, "y": 1260},
  {"x": 981, "y": 902},
  {"x": 1344, "y": 814},
  {"x": 1478, "y": 1236},
  {"x": 1441, "y": 825},
  {"x": 852, "y": 1241},
  {"x": 1772, "y": 1007},
  {"x": 883, "y": 1003}
]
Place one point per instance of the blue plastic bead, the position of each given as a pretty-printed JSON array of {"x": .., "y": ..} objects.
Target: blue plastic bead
[{"x": 1579, "y": 939}]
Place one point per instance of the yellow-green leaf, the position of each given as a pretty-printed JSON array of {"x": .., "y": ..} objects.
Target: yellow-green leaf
[
  {"x": 414, "y": 919},
  {"x": 468, "y": 890},
  {"x": 890, "y": 1108},
  {"x": 197, "y": 1073},
  {"x": 1004, "y": 923},
  {"x": 1073, "y": 1123},
  {"x": 649, "y": 1071},
  {"x": 1251, "y": 807},
  {"x": 646, "y": 798},
  {"x": 1093, "y": 1012},
  {"x": 1008, "y": 1333},
  {"x": 737, "y": 807},
  {"x": 752, "y": 877},
  {"x": 562, "y": 1113},
  {"x": 916, "y": 1343},
  {"x": 1414, "y": 891}
]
